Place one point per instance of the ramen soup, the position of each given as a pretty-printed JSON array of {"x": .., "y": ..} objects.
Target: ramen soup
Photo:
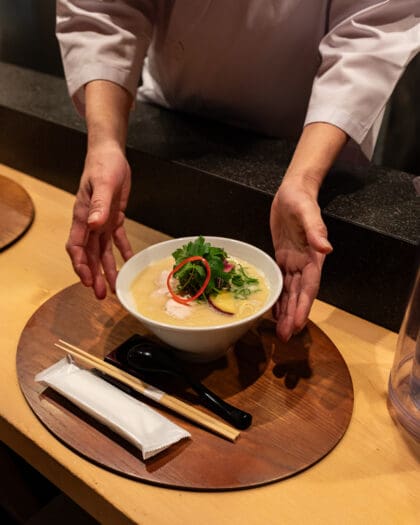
[{"x": 153, "y": 299}]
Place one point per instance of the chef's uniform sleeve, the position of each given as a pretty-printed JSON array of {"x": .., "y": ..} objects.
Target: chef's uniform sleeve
[
  {"x": 103, "y": 40},
  {"x": 363, "y": 54}
]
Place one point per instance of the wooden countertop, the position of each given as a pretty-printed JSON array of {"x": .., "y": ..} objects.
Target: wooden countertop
[{"x": 372, "y": 476}]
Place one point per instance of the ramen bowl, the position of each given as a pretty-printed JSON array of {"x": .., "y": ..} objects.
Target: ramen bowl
[{"x": 199, "y": 343}]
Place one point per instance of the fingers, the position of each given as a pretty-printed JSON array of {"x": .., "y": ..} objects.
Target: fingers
[
  {"x": 286, "y": 307},
  {"x": 76, "y": 242},
  {"x": 303, "y": 308},
  {"x": 80, "y": 263},
  {"x": 108, "y": 262},
  {"x": 121, "y": 240},
  {"x": 90, "y": 259},
  {"x": 85, "y": 249},
  {"x": 299, "y": 292},
  {"x": 91, "y": 252},
  {"x": 94, "y": 256},
  {"x": 98, "y": 219}
]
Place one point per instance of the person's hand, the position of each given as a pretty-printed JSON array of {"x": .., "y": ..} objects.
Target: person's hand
[
  {"x": 300, "y": 242},
  {"x": 98, "y": 218}
]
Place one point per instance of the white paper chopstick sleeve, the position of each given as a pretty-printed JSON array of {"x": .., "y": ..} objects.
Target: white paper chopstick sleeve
[{"x": 130, "y": 418}]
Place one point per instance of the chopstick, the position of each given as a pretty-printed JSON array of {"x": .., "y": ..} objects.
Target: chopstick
[{"x": 171, "y": 402}]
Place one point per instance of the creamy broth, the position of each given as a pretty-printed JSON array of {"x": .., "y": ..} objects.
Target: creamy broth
[{"x": 154, "y": 301}]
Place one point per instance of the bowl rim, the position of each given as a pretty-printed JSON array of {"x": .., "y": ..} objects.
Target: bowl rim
[{"x": 193, "y": 329}]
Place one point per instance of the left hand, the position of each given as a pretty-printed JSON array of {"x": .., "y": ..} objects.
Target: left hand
[{"x": 300, "y": 242}]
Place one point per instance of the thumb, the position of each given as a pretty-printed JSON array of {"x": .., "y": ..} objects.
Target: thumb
[
  {"x": 318, "y": 240},
  {"x": 100, "y": 205},
  {"x": 316, "y": 231}
]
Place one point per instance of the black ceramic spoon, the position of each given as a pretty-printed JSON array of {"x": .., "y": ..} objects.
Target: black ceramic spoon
[{"x": 144, "y": 355}]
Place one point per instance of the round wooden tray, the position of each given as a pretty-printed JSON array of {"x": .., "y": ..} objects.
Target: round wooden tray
[
  {"x": 300, "y": 395},
  {"x": 16, "y": 211}
]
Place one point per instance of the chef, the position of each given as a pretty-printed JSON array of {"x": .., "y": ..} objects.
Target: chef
[{"x": 316, "y": 71}]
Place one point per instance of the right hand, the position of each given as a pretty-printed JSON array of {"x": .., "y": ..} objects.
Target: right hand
[{"x": 98, "y": 218}]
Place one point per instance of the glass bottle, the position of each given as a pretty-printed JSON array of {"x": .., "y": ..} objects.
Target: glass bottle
[{"x": 404, "y": 380}]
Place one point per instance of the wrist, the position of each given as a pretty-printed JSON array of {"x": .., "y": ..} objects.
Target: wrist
[
  {"x": 306, "y": 179},
  {"x": 103, "y": 158},
  {"x": 103, "y": 139},
  {"x": 107, "y": 110},
  {"x": 315, "y": 153}
]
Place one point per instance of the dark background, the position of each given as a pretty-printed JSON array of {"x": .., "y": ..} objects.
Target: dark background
[{"x": 27, "y": 39}]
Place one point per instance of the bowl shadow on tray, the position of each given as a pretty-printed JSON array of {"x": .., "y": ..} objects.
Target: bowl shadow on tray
[
  {"x": 229, "y": 375},
  {"x": 258, "y": 361},
  {"x": 107, "y": 435}
]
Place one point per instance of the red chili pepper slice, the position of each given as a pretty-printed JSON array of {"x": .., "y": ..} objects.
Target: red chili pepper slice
[{"x": 187, "y": 300}]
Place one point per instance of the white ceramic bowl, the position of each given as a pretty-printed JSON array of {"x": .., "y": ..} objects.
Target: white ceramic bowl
[{"x": 199, "y": 343}]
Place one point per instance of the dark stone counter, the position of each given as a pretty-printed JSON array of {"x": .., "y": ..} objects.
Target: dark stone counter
[{"x": 193, "y": 176}]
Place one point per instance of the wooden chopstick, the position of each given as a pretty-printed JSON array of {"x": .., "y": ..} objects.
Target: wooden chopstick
[{"x": 171, "y": 402}]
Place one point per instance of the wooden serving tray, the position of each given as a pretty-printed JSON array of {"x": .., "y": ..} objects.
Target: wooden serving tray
[
  {"x": 16, "y": 211},
  {"x": 300, "y": 395}
]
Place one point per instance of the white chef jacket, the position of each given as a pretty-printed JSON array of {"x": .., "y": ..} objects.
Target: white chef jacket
[{"x": 269, "y": 65}]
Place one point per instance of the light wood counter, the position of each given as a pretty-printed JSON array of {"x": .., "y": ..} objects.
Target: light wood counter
[{"x": 372, "y": 476}]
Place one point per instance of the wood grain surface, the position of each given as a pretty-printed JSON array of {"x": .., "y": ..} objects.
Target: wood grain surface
[
  {"x": 300, "y": 395},
  {"x": 16, "y": 211}
]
